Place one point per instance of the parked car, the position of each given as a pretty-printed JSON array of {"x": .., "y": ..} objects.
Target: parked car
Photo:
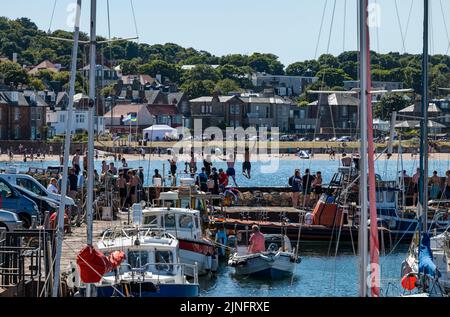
[
  {"x": 334, "y": 139},
  {"x": 12, "y": 200},
  {"x": 44, "y": 203},
  {"x": 344, "y": 139},
  {"x": 30, "y": 183},
  {"x": 9, "y": 220}
]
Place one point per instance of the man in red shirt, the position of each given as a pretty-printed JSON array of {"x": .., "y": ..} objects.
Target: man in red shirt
[
  {"x": 223, "y": 180},
  {"x": 256, "y": 241}
]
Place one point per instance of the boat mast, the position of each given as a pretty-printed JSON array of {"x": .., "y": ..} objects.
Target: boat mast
[
  {"x": 362, "y": 236},
  {"x": 92, "y": 104},
  {"x": 374, "y": 243},
  {"x": 423, "y": 185},
  {"x": 62, "y": 205}
]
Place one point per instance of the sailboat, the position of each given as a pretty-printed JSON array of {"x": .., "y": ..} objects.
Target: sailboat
[{"x": 419, "y": 269}]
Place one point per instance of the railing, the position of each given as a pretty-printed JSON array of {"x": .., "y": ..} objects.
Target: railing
[
  {"x": 173, "y": 269},
  {"x": 25, "y": 256}
]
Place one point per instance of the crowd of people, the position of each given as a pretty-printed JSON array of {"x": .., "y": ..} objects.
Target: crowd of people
[{"x": 309, "y": 185}]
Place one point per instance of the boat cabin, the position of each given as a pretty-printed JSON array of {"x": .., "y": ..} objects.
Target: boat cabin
[
  {"x": 145, "y": 250},
  {"x": 181, "y": 222}
]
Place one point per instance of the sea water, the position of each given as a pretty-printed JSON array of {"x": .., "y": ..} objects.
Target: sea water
[{"x": 322, "y": 271}]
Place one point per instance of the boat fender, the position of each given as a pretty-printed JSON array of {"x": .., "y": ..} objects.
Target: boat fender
[
  {"x": 409, "y": 282},
  {"x": 73, "y": 279},
  {"x": 208, "y": 262}
]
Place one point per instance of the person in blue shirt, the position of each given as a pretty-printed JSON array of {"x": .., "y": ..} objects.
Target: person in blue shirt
[
  {"x": 295, "y": 183},
  {"x": 202, "y": 179}
]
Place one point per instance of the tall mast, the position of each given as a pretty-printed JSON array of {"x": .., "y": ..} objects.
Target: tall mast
[
  {"x": 92, "y": 103},
  {"x": 62, "y": 206},
  {"x": 362, "y": 236},
  {"x": 374, "y": 243},
  {"x": 423, "y": 185}
]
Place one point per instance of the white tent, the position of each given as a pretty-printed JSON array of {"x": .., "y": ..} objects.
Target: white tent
[{"x": 159, "y": 133}]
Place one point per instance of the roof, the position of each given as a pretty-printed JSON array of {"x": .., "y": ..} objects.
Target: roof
[
  {"x": 222, "y": 99},
  {"x": 158, "y": 110},
  {"x": 417, "y": 108},
  {"x": 143, "y": 79},
  {"x": 266, "y": 100},
  {"x": 151, "y": 95},
  {"x": 44, "y": 65},
  {"x": 342, "y": 100},
  {"x": 7, "y": 97},
  {"x": 38, "y": 99},
  {"x": 416, "y": 124},
  {"x": 124, "y": 109}
]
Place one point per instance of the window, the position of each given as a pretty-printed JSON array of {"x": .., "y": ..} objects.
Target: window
[
  {"x": 447, "y": 118},
  {"x": 163, "y": 261},
  {"x": 5, "y": 191},
  {"x": 257, "y": 108},
  {"x": 235, "y": 109},
  {"x": 302, "y": 114},
  {"x": 185, "y": 221},
  {"x": 169, "y": 221},
  {"x": 62, "y": 118},
  {"x": 150, "y": 220},
  {"x": 38, "y": 115},
  {"x": 390, "y": 197},
  {"x": 137, "y": 259},
  {"x": 445, "y": 105},
  {"x": 17, "y": 132},
  {"x": 30, "y": 185},
  {"x": 344, "y": 111},
  {"x": 1, "y": 113},
  {"x": 379, "y": 197},
  {"x": 16, "y": 113}
]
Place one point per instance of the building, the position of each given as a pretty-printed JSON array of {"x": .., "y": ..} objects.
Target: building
[
  {"x": 377, "y": 85},
  {"x": 22, "y": 115},
  {"x": 166, "y": 115},
  {"x": 103, "y": 74},
  {"x": 57, "y": 115},
  {"x": 331, "y": 115},
  {"x": 45, "y": 65},
  {"x": 218, "y": 111},
  {"x": 114, "y": 119},
  {"x": 283, "y": 85}
]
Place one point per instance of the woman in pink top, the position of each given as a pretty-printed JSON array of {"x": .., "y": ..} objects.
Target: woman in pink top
[{"x": 256, "y": 241}]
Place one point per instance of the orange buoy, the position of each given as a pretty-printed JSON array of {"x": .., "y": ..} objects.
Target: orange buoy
[{"x": 409, "y": 282}]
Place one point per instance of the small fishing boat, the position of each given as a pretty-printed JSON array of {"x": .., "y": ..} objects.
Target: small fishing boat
[
  {"x": 277, "y": 261},
  {"x": 185, "y": 225},
  {"x": 151, "y": 267}
]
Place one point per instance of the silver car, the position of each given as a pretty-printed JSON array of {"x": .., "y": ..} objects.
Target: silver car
[{"x": 9, "y": 220}]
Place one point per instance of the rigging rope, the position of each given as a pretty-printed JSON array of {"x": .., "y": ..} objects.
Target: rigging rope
[
  {"x": 320, "y": 30},
  {"x": 52, "y": 16},
  {"x": 445, "y": 26},
  {"x": 134, "y": 19}
]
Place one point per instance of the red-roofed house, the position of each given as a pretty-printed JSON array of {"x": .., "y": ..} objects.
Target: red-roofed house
[{"x": 45, "y": 65}]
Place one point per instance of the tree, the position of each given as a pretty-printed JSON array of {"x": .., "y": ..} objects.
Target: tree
[
  {"x": 37, "y": 84},
  {"x": 226, "y": 86},
  {"x": 160, "y": 67},
  {"x": 328, "y": 61},
  {"x": 388, "y": 104},
  {"x": 266, "y": 63},
  {"x": 13, "y": 73},
  {"x": 333, "y": 76},
  {"x": 201, "y": 72},
  {"x": 129, "y": 67},
  {"x": 198, "y": 88},
  {"x": 235, "y": 59}
]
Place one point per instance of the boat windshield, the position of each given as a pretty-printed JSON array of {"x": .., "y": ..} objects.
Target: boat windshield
[
  {"x": 137, "y": 259},
  {"x": 164, "y": 260}
]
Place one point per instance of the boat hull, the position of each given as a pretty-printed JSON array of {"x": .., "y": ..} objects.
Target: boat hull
[
  {"x": 201, "y": 253},
  {"x": 149, "y": 290},
  {"x": 273, "y": 265}
]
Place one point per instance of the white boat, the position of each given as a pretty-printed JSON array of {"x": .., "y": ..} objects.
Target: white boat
[
  {"x": 303, "y": 155},
  {"x": 278, "y": 261},
  {"x": 440, "y": 247},
  {"x": 185, "y": 225},
  {"x": 151, "y": 267}
]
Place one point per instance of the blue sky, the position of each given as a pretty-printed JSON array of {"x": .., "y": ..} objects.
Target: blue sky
[{"x": 287, "y": 28}]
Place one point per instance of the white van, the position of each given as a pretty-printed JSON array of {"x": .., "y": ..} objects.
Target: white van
[{"x": 28, "y": 182}]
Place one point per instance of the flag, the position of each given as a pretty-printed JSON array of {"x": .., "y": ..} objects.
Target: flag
[{"x": 132, "y": 116}]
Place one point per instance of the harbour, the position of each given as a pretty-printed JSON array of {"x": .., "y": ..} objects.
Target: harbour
[{"x": 174, "y": 173}]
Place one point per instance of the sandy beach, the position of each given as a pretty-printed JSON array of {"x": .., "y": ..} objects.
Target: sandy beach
[{"x": 185, "y": 157}]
